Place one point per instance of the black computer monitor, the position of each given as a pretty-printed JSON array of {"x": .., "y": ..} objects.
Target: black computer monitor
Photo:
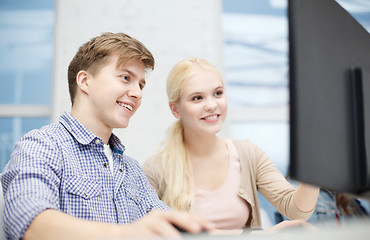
[{"x": 329, "y": 58}]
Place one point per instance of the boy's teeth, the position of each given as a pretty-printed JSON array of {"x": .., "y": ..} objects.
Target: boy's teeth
[{"x": 126, "y": 106}]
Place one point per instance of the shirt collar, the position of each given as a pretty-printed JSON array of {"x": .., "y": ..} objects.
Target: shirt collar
[
  {"x": 84, "y": 135},
  {"x": 118, "y": 147}
]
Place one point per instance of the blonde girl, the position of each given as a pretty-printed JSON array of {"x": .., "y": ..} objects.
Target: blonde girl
[{"x": 216, "y": 178}]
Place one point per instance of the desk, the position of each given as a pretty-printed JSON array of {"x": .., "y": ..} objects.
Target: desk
[{"x": 356, "y": 230}]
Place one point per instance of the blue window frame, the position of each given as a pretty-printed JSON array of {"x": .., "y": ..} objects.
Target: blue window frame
[{"x": 26, "y": 63}]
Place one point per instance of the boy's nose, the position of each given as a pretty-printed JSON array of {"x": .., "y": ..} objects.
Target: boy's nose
[{"x": 135, "y": 91}]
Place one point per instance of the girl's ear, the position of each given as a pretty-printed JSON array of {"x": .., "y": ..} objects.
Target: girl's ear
[
  {"x": 174, "y": 110},
  {"x": 82, "y": 81}
]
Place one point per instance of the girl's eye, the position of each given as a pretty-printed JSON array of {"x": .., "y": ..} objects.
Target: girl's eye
[
  {"x": 196, "y": 98},
  {"x": 219, "y": 93},
  {"x": 125, "y": 77}
]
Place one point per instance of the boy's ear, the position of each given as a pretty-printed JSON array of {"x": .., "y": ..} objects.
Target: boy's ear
[
  {"x": 82, "y": 81},
  {"x": 174, "y": 110}
]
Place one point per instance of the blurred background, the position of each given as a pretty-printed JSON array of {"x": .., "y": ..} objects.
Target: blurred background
[{"x": 246, "y": 39}]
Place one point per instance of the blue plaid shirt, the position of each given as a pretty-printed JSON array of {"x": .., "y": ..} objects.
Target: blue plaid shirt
[{"x": 63, "y": 166}]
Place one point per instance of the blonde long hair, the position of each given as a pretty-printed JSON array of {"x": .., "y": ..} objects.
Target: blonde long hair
[{"x": 177, "y": 182}]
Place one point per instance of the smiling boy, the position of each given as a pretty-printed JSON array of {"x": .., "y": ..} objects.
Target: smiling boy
[{"x": 71, "y": 179}]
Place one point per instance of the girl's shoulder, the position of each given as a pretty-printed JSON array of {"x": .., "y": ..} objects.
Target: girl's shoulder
[{"x": 247, "y": 150}]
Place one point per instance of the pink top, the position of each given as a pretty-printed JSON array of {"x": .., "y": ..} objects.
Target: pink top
[{"x": 223, "y": 206}]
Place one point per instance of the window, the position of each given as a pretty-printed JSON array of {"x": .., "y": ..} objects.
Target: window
[{"x": 26, "y": 30}]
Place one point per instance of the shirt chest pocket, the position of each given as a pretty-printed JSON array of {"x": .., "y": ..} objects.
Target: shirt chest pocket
[
  {"x": 134, "y": 193},
  {"x": 84, "y": 188},
  {"x": 83, "y": 198},
  {"x": 135, "y": 199}
]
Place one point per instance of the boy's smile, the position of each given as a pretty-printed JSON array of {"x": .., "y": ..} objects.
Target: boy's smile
[{"x": 112, "y": 96}]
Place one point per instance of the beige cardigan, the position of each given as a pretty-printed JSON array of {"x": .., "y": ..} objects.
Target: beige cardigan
[{"x": 258, "y": 173}]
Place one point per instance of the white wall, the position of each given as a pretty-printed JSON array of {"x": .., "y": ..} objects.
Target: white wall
[{"x": 171, "y": 30}]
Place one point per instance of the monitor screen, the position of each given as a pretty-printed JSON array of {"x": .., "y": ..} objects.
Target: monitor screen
[{"x": 329, "y": 71}]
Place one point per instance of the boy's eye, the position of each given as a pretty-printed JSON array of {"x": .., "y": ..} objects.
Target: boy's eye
[{"x": 125, "y": 77}]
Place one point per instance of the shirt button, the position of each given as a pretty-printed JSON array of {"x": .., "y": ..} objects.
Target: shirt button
[
  {"x": 120, "y": 170},
  {"x": 105, "y": 165},
  {"x": 97, "y": 141},
  {"x": 114, "y": 199},
  {"x": 241, "y": 191}
]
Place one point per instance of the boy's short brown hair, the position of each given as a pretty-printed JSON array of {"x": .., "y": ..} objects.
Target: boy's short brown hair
[{"x": 92, "y": 55}]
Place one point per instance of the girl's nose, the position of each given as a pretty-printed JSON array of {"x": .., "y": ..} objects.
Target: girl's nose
[{"x": 210, "y": 105}]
